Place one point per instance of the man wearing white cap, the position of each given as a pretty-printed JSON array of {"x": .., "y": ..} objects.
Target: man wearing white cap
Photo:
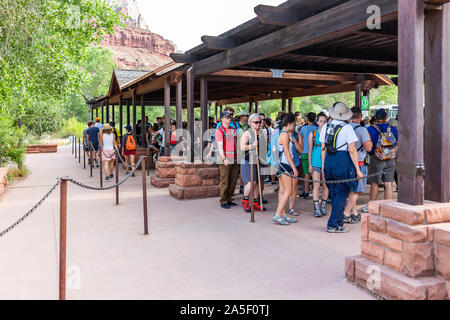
[{"x": 340, "y": 162}]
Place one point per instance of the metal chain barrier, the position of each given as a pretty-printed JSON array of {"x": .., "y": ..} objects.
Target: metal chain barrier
[
  {"x": 85, "y": 186},
  {"x": 123, "y": 162},
  {"x": 37, "y": 205},
  {"x": 339, "y": 181}
]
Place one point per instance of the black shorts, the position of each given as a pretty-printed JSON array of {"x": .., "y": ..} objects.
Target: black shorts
[{"x": 285, "y": 168}]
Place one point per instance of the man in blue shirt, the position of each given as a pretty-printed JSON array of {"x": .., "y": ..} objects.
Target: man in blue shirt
[
  {"x": 304, "y": 135},
  {"x": 92, "y": 135},
  {"x": 382, "y": 157}
]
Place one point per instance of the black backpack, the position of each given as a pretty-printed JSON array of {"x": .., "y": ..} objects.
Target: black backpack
[{"x": 332, "y": 132}]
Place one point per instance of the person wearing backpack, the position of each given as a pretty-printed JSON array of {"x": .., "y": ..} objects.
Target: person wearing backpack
[
  {"x": 382, "y": 156},
  {"x": 226, "y": 139},
  {"x": 339, "y": 162},
  {"x": 363, "y": 145},
  {"x": 129, "y": 148},
  {"x": 315, "y": 166}
]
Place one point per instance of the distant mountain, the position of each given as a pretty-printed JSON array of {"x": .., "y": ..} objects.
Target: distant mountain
[{"x": 136, "y": 47}]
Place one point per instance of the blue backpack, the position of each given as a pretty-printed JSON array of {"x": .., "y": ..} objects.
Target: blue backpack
[{"x": 273, "y": 154}]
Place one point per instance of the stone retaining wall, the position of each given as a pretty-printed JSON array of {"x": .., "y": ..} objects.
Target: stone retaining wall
[
  {"x": 195, "y": 181},
  {"x": 165, "y": 172},
  {"x": 42, "y": 148},
  {"x": 3, "y": 181},
  {"x": 406, "y": 248}
]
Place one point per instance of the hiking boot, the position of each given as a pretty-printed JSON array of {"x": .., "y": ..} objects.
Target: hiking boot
[
  {"x": 304, "y": 195},
  {"x": 225, "y": 206},
  {"x": 317, "y": 213},
  {"x": 258, "y": 207},
  {"x": 323, "y": 211},
  {"x": 337, "y": 230},
  {"x": 232, "y": 204},
  {"x": 350, "y": 219},
  {"x": 246, "y": 205},
  {"x": 107, "y": 178}
]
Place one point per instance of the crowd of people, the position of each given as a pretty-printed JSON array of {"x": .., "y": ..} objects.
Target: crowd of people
[
  {"x": 329, "y": 154},
  {"x": 337, "y": 149}
]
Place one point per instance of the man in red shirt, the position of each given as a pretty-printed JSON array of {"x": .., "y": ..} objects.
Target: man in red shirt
[{"x": 226, "y": 139}]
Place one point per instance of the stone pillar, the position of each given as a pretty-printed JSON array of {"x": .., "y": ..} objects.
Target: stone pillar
[
  {"x": 195, "y": 180},
  {"x": 405, "y": 251},
  {"x": 165, "y": 172}
]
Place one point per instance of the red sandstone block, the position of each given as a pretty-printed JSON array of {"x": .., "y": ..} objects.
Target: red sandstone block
[
  {"x": 202, "y": 192},
  {"x": 161, "y": 183},
  {"x": 442, "y": 234},
  {"x": 161, "y": 164},
  {"x": 393, "y": 260},
  {"x": 418, "y": 259},
  {"x": 164, "y": 158},
  {"x": 437, "y": 212},
  {"x": 377, "y": 224},
  {"x": 184, "y": 180},
  {"x": 374, "y": 206},
  {"x": 209, "y": 173},
  {"x": 350, "y": 268},
  {"x": 406, "y": 232},
  {"x": 4, "y": 176},
  {"x": 166, "y": 173},
  {"x": 176, "y": 192},
  {"x": 364, "y": 227},
  {"x": 402, "y": 212},
  {"x": 443, "y": 261},
  {"x": 394, "y": 285},
  {"x": 372, "y": 252},
  {"x": 430, "y": 234},
  {"x": 384, "y": 240},
  {"x": 210, "y": 182}
]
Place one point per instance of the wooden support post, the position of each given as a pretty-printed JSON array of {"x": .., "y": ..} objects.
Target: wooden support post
[
  {"x": 190, "y": 111},
  {"x": 62, "y": 238},
  {"x": 283, "y": 105},
  {"x": 358, "y": 94},
  {"x": 96, "y": 113},
  {"x": 128, "y": 113},
  {"x": 107, "y": 112},
  {"x": 103, "y": 113},
  {"x": 220, "y": 112},
  {"x": 144, "y": 195},
  {"x": 92, "y": 113},
  {"x": 134, "y": 111},
  {"x": 113, "y": 112},
  {"x": 204, "y": 111},
  {"x": 410, "y": 65},
  {"x": 143, "y": 124},
  {"x": 437, "y": 105},
  {"x": 290, "y": 105},
  {"x": 215, "y": 112},
  {"x": 121, "y": 116},
  {"x": 149, "y": 159},
  {"x": 167, "y": 117},
  {"x": 179, "y": 106},
  {"x": 250, "y": 108},
  {"x": 256, "y": 107},
  {"x": 116, "y": 161}
]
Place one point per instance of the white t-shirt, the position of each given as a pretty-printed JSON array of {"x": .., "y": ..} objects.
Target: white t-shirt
[
  {"x": 346, "y": 135},
  {"x": 108, "y": 141}
]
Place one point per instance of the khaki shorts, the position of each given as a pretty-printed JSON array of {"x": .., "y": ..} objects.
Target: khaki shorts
[{"x": 377, "y": 165}]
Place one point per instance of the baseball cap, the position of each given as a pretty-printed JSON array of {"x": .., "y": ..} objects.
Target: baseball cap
[
  {"x": 128, "y": 127},
  {"x": 225, "y": 114}
]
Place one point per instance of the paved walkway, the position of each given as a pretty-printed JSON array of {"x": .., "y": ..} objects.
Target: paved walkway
[{"x": 195, "y": 249}]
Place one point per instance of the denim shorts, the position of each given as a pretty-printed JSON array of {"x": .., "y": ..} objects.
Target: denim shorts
[
  {"x": 317, "y": 169},
  {"x": 362, "y": 183}
]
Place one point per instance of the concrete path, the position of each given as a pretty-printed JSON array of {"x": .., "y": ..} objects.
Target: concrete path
[{"x": 195, "y": 250}]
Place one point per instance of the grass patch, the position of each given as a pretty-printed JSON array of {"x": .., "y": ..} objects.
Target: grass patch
[{"x": 17, "y": 173}]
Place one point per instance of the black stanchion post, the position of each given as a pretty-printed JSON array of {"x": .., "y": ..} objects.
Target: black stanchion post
[
  {"x": 144, "y": 195},
  {"x": 148, "y": 162},
  {"x": 62, "y": 239},
  {"x": 91, "y": 155},
  {"x": 75, "y": 144},
  {"x": 252, "y": 198},
  {"x": 71, "y": 138},
  {"x": 79, "y": 150},
  {"x": 84, "y": 155}
]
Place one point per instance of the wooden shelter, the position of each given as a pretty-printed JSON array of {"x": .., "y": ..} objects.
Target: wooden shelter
[{"x": 305, "y": 47}]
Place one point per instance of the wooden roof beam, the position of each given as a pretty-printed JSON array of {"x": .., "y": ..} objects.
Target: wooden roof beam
[
  {"x": 279, "y": 16},
  {"x": 344, "y": 19},
  {"x": 183, "y": 58},
  {"x": 218, "y": 43}
]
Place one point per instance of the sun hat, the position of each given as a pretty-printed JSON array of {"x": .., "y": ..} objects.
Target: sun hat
[
  {"x": 243, "y": 113},
  {"x": 340, "y": 111},
  {"x": 107, "y": 127}
]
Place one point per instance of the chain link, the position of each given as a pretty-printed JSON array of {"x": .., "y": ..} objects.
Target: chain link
[
  {"x": 124, "y": 162},
  {"x": 37, "y": 205},
  {"x": 340, "y": 181},
  {"x": 85, "y": 186}
]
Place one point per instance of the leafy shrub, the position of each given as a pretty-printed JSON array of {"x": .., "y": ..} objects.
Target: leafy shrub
[
  {"x": 71, "y": 127},
  {"x": 11, "y": 146}
]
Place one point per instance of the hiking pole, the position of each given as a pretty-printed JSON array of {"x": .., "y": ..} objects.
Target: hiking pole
[{"x": 259, "y": 175}]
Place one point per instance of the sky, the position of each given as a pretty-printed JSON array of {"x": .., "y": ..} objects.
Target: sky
[{"x": 185, "y": 21}]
